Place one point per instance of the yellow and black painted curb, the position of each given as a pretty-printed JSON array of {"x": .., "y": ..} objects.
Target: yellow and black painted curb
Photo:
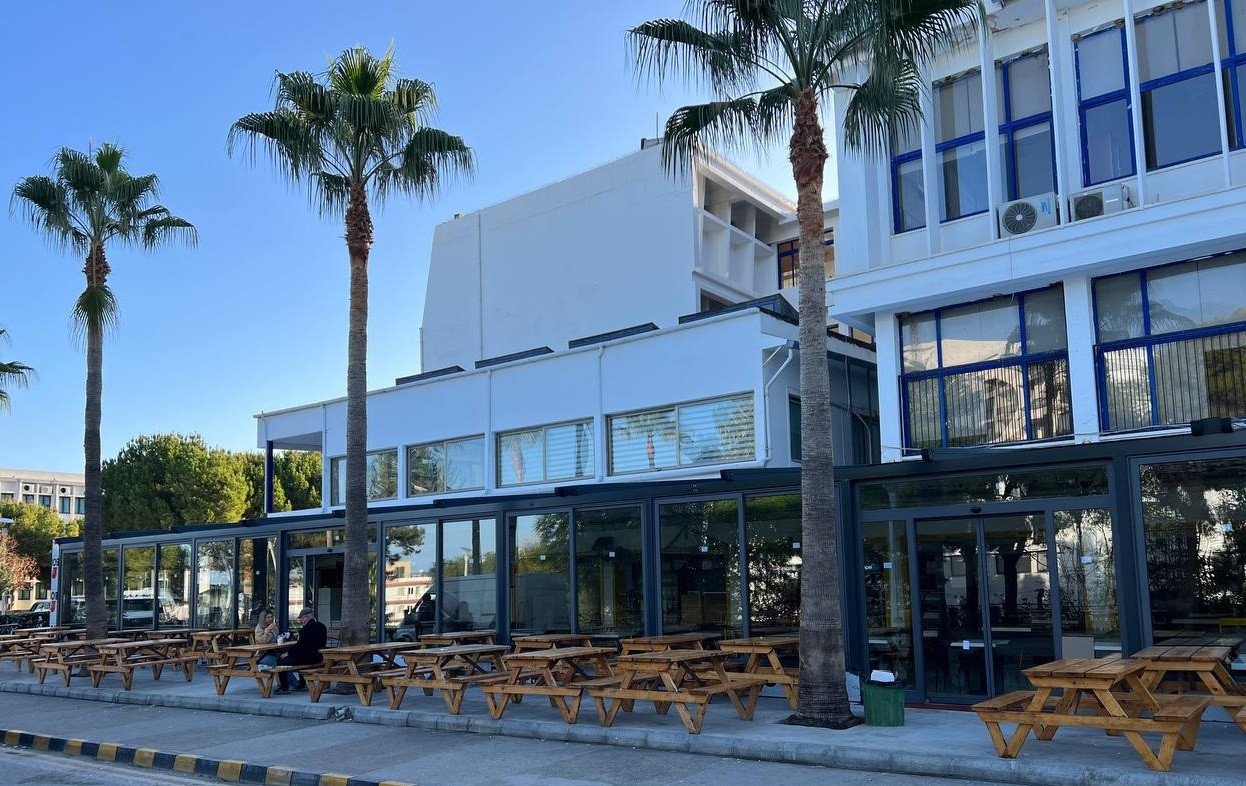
[{"x": 221, "y": 769}]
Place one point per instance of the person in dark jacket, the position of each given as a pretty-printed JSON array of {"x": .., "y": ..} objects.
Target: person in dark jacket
[{"x": 313, "y": 636}]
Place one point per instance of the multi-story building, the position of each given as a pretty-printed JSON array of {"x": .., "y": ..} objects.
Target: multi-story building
[
  {"x": 1054, "y": 267},
  {"x": 62, "y": 492},
  {"x": 604, "y": 436}
]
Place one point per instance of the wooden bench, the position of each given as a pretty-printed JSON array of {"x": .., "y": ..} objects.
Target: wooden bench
[
  {"x": 366, "y": 685},
  {"x": 222, "y": 672},
  {"x": 65, "y": 666},
  {"x": 452, "y": 688},
  {"x": 185, "y": 662}
]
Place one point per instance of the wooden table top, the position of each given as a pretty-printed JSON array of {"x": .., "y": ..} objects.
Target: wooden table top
[
  {"x": 345, "y": 653},
  {"x": 555, "y": 654},
  {"x": 202, "y": 634},
  {"x": 453, "y": 651},
  {"x": 59, "y": 646},
  {"x": 759, "y": 643},
  {"x": 671, "y": 657},
  {"x": 553, "y": 639},
  {"x": 1184, "y": 653},
  {"x": 126, "y": 646},
  {"x": 240, "y": 650},
  {"x": 43, "y": 629},
  {"x": 458, "y": 636},
  {"x": 1085, "y": 668}
]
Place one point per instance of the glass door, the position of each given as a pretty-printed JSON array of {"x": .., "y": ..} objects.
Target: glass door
[
  {"x": 984, "y": 594},
  {"x": 540, "y": 578}
]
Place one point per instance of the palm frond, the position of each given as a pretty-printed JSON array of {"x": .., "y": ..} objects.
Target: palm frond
[
  {"x": 886, "y": 104},
  {"x": 920, "y": 29},
  {"x": 12, "y": 375},
  {"x": 108, "y": 158},
  {"x": 719, "y": 60},
  {"x": 331, "y": 193},
  {"x": 95, "y": 308},
  {"x": 292, "y": 145},
  {"x": 44, "y": 203},
  {"x": 415, "y": 97},
  {"x": 716, "y": 124},
  {"x": 158, "y": 231},
  {"x": 300, "y": 91},
  {"x": 357, "y": 71},
  {"x": 440, "y": 150}
]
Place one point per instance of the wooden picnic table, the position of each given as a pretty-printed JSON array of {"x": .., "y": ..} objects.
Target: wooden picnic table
[
  {"x": 22, "y": 648},
  {"x": 685, "y": 679},
  {"x": 456, "y": 637},
  {"x": 43, "y": 629},
  {"x": 544, "y": 641},
  {"x": 670, "y": 641},
  {"x": 559, "y": 673},
  {"x": 211, "y": 643},
  {"x": 1198, "y": 669},
  {"x": 243, "y": 660},
  {"x": 356, "y": 665},
  {"x": 124, "y": 657},
  {"x": 763, "y": 659},
  {"x": 65, "y": 656},
  {"x": 448, "y": 669},
  {"x": 1114, "y": 688}
]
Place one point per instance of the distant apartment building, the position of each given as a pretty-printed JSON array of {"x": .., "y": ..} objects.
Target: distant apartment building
[{"x": 61, "y": 492}]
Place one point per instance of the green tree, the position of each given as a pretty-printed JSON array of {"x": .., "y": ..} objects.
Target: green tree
[
  {"x": 164, "y": 480},
  {"x": 33, "y": 529},
  {"x": 89, "y": 203},
  {"x": 296, "y": 481},
  {"x": 12, "y": 374},
  {"x": 771, "y": 65},
  {"x": 355, "y": 134}
]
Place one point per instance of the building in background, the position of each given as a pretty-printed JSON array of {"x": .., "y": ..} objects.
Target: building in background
[{"x": 62, "y": 492}]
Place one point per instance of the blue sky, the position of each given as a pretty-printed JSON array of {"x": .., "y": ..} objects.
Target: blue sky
[{"x": 254, "y": 318}]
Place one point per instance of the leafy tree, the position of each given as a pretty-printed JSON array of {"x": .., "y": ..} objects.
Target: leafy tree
[
  {"x": 355, "y": 134},
  {"x": 16, "y": 568},
  {"x": 33, "y": 529},
  {"x": 88, "y": 203},
  {"x": 12, "y": 374},
  {"x": 163, "y": 480},
  {"x": 296, "y": 481},
  {"x": 771, "y": 65}
]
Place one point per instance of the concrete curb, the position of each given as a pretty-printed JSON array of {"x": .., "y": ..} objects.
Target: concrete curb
[
  {"x": 839, "y": 755},
  {"x": 148, "y": 758}
]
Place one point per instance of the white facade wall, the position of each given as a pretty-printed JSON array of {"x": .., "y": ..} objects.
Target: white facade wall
[
  {"x": 1178, "y": 213},
  {"x": 33, "y": 486}
]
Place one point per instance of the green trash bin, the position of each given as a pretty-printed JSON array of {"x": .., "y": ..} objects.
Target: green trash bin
[{"x": 884, "y": 703}]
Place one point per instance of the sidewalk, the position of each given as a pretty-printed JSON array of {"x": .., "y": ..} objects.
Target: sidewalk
[{"x": 932, "y": 743}]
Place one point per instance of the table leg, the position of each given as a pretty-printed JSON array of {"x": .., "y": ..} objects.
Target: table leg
[
  {"x": 691, "y": 720},
  {"x": 1168, "y": 743},
  {"x": 744, "y": 712},
  {"x": 497, "y": 702}
]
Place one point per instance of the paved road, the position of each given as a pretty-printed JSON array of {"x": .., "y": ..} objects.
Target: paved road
[
  {"x": 50, "y": 769},
  {"x": 428, "y": 758}
]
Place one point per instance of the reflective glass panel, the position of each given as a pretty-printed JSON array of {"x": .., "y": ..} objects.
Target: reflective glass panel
[
  {"x": 643, "y": 441},
  {"x": 214, "y": 582},
  {"x": 888, "y": 598},
  {"x": 610, "y": 585},
  {"x": 1118, "y": 307},
  {"x": 958, "y": 107},
  {"x": 978, "y": 332},
  {"x": 923, "y": 413},
  {"x": 569, "y": 451},
  {"x": 425, "y": 468},
  {"x": 540, "y": 574},
  {"x": 1181, "y": 121},
  {"x": 465, "y": 464},
  {"x": 257, "y": 576},
  {"x": 173, "y": 584},
  {"x": 382, "y": 475},
  {"x": 1175, "y": 40},
  {"x": 1100, "y": 63},
  {"x": 112, "y": 583},
  {"x": 521, "y": 457},
  {"x": 1029, "y": 87},
  {"x": 138, "y": 602},
  {"x": 469, "y": 584},
  {"x": 918, "y": 338},
  {"x": 911, "y": 195},
  {"x": 410, "y": 581},
  {"x": 1044, "y": 320},
  {"x": 1019, "y": 591},
  {"x": 985, "y": 406},
  {"x": 72, "y": 608},
  {"x": 716, "y": 431},
  {"x": 970, "y": 489},
  {"x": 700, "y": 552},
  {"x": 1127, "y": 389},
  {"x": 964, "y": 180},
  {"x": 1033, "y": 158},
  {"x": 1108, "y": 142},
  {"x": 772, "y": 530},
  {"x": 1086, "y": 567}
]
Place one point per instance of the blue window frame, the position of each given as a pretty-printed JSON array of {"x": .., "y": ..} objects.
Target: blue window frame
[
  {"x": 1103, "y": 106},
  {"x": 987, "y": 372},
  {"x": 960, "y": 147},
  {"x": 788, "y": 253},
  {"x": 1171, "y": 343},
  {"x": 1177, "y": 83},
  {"x": 65, "y": 503},
  {"x": 1025, "y": 137},
  {"x": 1232, "y": 22},
  {"x": 908, "y": 183}
]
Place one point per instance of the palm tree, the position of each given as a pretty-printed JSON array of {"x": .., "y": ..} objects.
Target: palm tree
[
  {"x": 89, "y": 202},
  {"x": 770, "y": 65},
  {"x": 12, "y": 374},
  {"x": 353, "y": 134}
]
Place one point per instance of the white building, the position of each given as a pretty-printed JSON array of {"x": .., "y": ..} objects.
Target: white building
[
  {"x": 1053, "y": 265},
  {"x": 62, "y": 492}
]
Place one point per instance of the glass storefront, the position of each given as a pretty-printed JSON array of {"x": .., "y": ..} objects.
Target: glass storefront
[
  {"x": 700, "y": 553},
  {"x": 139, "y": 608},
  {"x": 1086, "y": 567},
  {"x": 173, "y": 585},
  {"x": 215, "y": 584},
  {"x": 540, "y": 574},
  {"x": 1194, "y": 521},
  {"x": 772, "y": 532},
  {"x": 609, "y": 564},
  {"x": 410, "y": 581},
  {"x": 257, "y": 579},
  {"x": 112, "y": 583},
  {"x": 469, "y": 580},
  {"x": 888, "y": 599},
  {"x": 72, "y": 590}
]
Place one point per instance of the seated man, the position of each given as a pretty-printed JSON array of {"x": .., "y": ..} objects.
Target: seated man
[{"x": 313, "y": 636}]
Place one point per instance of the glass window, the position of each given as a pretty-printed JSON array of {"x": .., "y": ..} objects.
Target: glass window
[
  {"x": 45, "y": 501},
  {"x": 964, "y": 180},
  {"x": 1175, "y": 39},
  {"x": 1197, "y": 294},
  {"x": 559, "y": 452},
  {"x": 112, "y": 584},
  {"x": 686, "y": 435},
  {"x": 28, "y": 499},
  {"x": 72, "y": 608},
  {"x": 1195, "y": 531},
  {"x": 610, "y": 585},
  {"x": 1180, "y": 117},
  {"x": 540, "y": 574},
  {"x": 788, "y": 257},
  {"x": 918, "y": 335},
  {"x": 469, "y": 575},
  {"x": 381, "y": 476},
  {"x": 1086, "y": 568},
  {"x": 793, "y": 427},
  {"x": 455, "y": 465},
  {"x": 173, "y": 585},
  {"x": 80, "y": 506},
  {"x": 977, "y": 489},
  {"x": 1107, "y": 138},
  {"x": 908, "y": 179},
  {"x": 1030, "y": 161},
  {"x": 410, "y": 581},
  {"x": 958, "y": 107},
  {"x": 1118, "y": 307},
  {"x": 888, "y": 598},
  {"x": 138, "y": 602},
  {"x": 317, "y": 539},
  {"x": 1029, "y": 87},
  {"x": 257, "y": 577},
  {"x": 214, "y": 581},
  {"x": 980, "y": 331},
  {"x": 772, "y": 529},
  {"x": 962, "y": 152},
  {"x": 65, "y": 503},
  {"x": 700, "y": 543}
]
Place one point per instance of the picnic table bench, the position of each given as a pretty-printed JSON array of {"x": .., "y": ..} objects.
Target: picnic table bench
[
  {"x": 545, "y": 641},
  {"x": 124, "y": 657},
  {"x": 244, "y": 661},
  {"x": 763, "y": 660},
  {"x": 66, "y": 656},
  {"x": 21, "y": 648},
  {"x": 356, "y": 666},
  {"x": 1114, "y": 688},
  {"x": 211, "y": 644},
  {"x": 670, "y": 641},
  {"x": 448, "y": 669},
  {"x": 684, "y": 679},
  {"x": 456, "y": 637},
  {"x": 560, "y": 673}
]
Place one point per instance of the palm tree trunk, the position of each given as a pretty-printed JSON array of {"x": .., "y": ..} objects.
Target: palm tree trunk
[
  {"x": 96, "y": 271},
  {"x": 822, "y": 698},
  {"x": 355, "y": 590}
]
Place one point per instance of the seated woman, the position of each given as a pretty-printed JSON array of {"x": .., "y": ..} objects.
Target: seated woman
[{"x": 266, "y": 627}]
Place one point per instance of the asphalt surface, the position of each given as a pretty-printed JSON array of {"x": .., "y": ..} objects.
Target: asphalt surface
[{"x": 18, "y": 767}]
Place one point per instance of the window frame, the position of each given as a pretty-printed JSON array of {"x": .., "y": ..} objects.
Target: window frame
[
  {"x": 789, "y": 251},
  {"x": 1023, "y": 360},
  {"x": 898, "y": 160},
  {"x": 1230, "y": 60},
  {"x": 65, "y": 504},
  {"x": 1148, "y": 341},
  {"x": 675, "y": 409},
  {"x": 1009, "y": 126},
  {"x": 333, "y": 461},
  {"x": 544, "y": 428},
  {"x": 1167, "y": 80},
  {"x": 444, "y": 444},
  {"x": 961, "y": 141},
  {"x": 1084, "y": 105}
]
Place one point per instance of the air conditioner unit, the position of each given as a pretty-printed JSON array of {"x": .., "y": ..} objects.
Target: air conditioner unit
[
  {"x": 1099, "y": 202},
  {"x": 45, "y": 489},
  {"x": 1026, "y": 215}
]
